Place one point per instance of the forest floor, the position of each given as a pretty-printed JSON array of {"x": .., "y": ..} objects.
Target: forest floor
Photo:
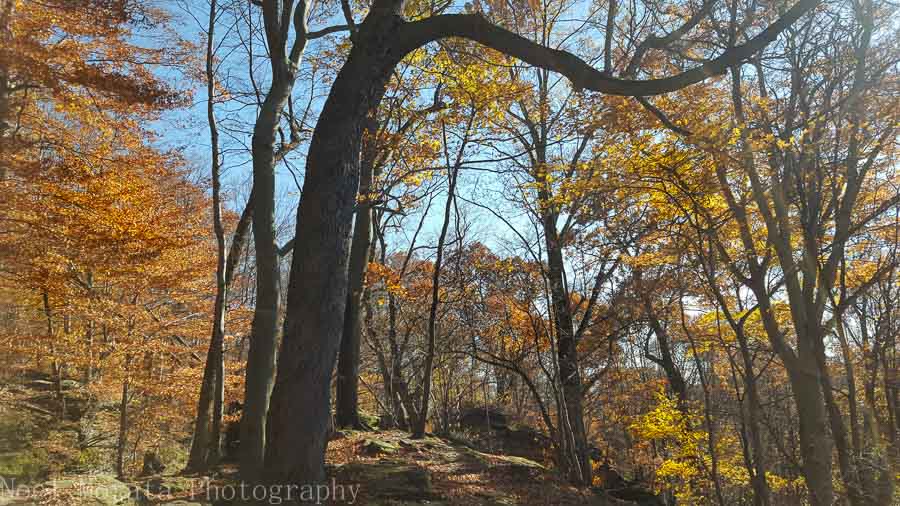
[{"x": 47, "y": 462}]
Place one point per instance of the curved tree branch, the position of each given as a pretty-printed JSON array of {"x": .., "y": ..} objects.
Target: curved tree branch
[{"x": 583, "y": 76}]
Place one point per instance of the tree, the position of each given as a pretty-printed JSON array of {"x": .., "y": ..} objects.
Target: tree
[
  {"x": 206, "y": 444},
  {"x": 395, "y": 144},
  {"x": 816, "y": 202},
  {"x": 284, "y": 63},
  {"x": 781, "y": 212},
  {"x": 318, "y": 283}
]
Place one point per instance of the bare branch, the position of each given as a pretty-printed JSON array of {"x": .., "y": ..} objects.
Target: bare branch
[{"x": 582, "y": 75}]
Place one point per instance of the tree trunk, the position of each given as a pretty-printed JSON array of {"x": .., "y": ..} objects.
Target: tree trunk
[
  {"x": 197, "y": 458},
  {"x": 815, "y": 446},
  {"x": 317, "y": 293},
  {"x": 348, "y": 360},
  {"x": 55, "y": 366},
  {"x": 419, "y": 429},
  {"x": 206, "y": 445},
  {"x": 6, "y": 11},
  {"x": 264, "y": 328},
  {"x": 569, "y": 371},
  {"x": 761, "y": 493},
  {"x": 667, "y": 360},
  {"x": 846, "y": 459},
  {"x": 215, "y": 440},
  {"x": 123, "y": 428},
  {"x": 89, "y": 332}
]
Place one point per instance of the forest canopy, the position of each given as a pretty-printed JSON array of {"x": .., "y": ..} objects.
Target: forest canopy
[{"x": 648, "y": 248}]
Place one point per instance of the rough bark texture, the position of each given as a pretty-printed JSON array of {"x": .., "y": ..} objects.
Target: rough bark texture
[
  {"x": 317, "y": 293},
  {"x": 348, "y": 361},
  {"x": 264, "y": 328},
  {"x": 815, "y": 446},
  {"x": 569, "y": 371},
  {"x": 278, "y": 17}
]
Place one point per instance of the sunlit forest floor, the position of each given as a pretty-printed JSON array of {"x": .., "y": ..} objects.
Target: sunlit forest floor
[{"x": 46, "y": 461}]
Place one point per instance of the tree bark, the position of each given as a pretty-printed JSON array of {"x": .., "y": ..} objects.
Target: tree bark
[
  {"x": 55, "y": 366},
  {"x": 317, "y": 293},
  {"x": 761, "y": 493},
  {"x": 278, "y": 17},
  {"x": 569, "y": 371},
  {"x": 815, "y": 447},
  {"x": 264, "y": 328},
  {"x": 123, "y": 426},
  {"x": 348, "y": 360},
  {"x": 206, "y": 444}
]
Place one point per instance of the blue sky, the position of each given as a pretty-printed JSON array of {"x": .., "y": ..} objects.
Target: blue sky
[{"x": 187, "y": 129}]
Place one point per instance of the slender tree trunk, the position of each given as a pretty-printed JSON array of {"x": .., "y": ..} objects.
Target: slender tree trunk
[
  {"x": 846, "y": 462},
  {"x": 123, "y": 427},
  {"x": 852, "y": 395},
  {"x": 215, "y": 440},
  {"x": 569, "y": 371},
  {"x": 348, "y": 359},
  {"x": 55, "y": 366},
  {"x": 206, "y": 444},
  {"x": 404, "y": 408},
  {"x": 419, "y": 428},
  {"x": 667, "y": 360},
  {"x": 761, "y": 493},
  {"x": 89, "y": 332},
  {"x": 705, "y": 379},
  {"x": 264, "y": 329},
  {"x": 392, "y": 399},
  {"x": 6, "y": 11},
  {"x": 197, "y": 458}
]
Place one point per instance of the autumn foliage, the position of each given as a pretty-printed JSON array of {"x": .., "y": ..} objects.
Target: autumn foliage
[{"x": 691, "y": 297}]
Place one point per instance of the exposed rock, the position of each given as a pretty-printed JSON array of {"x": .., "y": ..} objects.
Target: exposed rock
[
  {"x": 637, "y": 496},
  {"x": 482, "y": 417},
  {"x": 628, "y": 493},
  {"x": 376, "y": 447},
  {"x": 20, "y": 461},
  {"x": 369, "y": 421},
  {"x": 614, "y": 485},
  {"x": 49, "y": 385},
  {"x": 386, "y": 422},
  {"x": 609, "y": 478},
  {"x": 387, "y": 480},
  {"x": 69, "y": 384},
  {"x": 515, "y": 467}
]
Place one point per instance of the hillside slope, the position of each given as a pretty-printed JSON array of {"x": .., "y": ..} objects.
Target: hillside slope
[{"x": 44, "y": 461}]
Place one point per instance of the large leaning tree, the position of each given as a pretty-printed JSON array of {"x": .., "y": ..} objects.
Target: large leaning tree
[{"x": 299, "y": 408}]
